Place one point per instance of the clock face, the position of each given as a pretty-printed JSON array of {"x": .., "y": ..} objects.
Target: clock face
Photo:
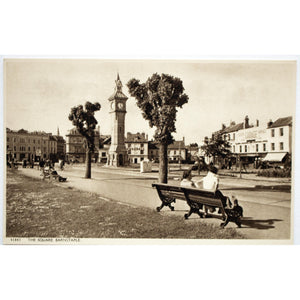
[
  {"x": 120, "y": 105},
  {"x": 112, "y": 105}
]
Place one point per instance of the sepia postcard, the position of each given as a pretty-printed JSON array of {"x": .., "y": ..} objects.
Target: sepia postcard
[{"x": 103, "y": 151}]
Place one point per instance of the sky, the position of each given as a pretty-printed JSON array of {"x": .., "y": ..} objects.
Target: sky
[{"x": 39, "y": 93}]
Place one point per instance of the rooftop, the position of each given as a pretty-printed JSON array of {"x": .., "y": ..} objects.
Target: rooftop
[{"x": 282, "y": 122}]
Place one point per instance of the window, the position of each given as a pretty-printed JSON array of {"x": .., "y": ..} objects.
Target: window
[
  {"x": 281, "y": 146},
  {"x": 264, "y": 147},
  {"x": 174, "y": 152},
  {"x": 33, "y": 148},
  {"x": 129, "y": 151},
  {"x": 142, "y": 158},
  {"x": 241, "y": 149},
  {"x": 28, "y": 148},
  {"x": 103, "y": 154},
  {"x": 142, "y": 151},
  {"x": 142, "y": 145},
  {"x": 233, "y": 148},
  {"x": 7, "y": 139},
  {"x": 245, "y": 148},
  {"x": 38, "y": 141},
  {"x": 15, "y": 148},
  {"x": 272, "y": 132},
  {"x": 22, "y": 140},
  {"x": 273, "y": 146},
  {"x": 228, "y": 137},
  {"x": 15, "y": 139},
  {"x": 34, "y": 141},
  {"x": 256, "y": 147},
  {"x": 233, "y": 136},
  {"x": 281, "y": 131}
]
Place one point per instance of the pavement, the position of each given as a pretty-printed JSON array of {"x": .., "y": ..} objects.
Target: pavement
[{"x": 267, "y": 211}]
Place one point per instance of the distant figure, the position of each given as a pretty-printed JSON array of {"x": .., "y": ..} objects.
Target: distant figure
[
  {"x": 24, "y": 163},
  {"x": 41, "y": 164},
  {"x": 234, "y": 214},
  {"x": 61, "y": 164}
]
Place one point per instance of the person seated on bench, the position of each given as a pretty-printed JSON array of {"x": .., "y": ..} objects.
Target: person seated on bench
[
  {"x": 187, "y": 179},
  {"x": 211, "y": 183},
  {"x": 56, "y": 175},
  {"x": 234, "y": 214}
]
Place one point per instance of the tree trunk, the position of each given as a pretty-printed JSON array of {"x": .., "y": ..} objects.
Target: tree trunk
[
  {"x": 88, "y": 159},
  {"x": 163, "y": 163}
]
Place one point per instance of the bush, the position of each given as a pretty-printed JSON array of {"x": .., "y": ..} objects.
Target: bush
[{"x": 275, "y": 172}]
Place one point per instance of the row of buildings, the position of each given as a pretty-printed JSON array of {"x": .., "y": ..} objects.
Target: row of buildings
[
  {"x": 34, "y": 146},
  {"x": 138, "y": 147},
  {"x": 252, "y": 142},
  {"x": 248, "y": 142}
]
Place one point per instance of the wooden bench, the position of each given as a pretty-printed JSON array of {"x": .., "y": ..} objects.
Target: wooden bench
[
  {"x": 52, "y": 174},
  {"x": 194, "y": 197}
]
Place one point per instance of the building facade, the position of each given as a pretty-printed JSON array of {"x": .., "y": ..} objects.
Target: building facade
[
  {"x": 75, "y": 146},
  {"x": 279, "y": 135},
  {"x": 32, "y": 146},
  {"x": 271, "y": 141},
  {"x": 137, "y": 146},
  {"x": 177, "y": 152}
]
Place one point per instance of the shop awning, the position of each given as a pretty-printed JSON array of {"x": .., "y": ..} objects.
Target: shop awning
[{"x": 274, "y": 157}]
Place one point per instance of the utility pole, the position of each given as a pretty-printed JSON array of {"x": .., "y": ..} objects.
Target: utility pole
[{"x": 240, "y": 166}]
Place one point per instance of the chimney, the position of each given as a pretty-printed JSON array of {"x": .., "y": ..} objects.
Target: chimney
[
  {"x": 147, "y": 137},
  {"x": 246, "y": 122},
  {"x": 223, "y": 126},
  {"x": 183, "y": 141},
  {"x": 257, "y": 123},
  {"x": 270, "y": 123}
]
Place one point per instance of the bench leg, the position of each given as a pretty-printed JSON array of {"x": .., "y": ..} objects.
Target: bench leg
[
  {"x": 193, "y": 210},
  {"x": 226, "y": 221},
  {"x": 158, "y": 208},
  {"x": 166, "y": 202}
]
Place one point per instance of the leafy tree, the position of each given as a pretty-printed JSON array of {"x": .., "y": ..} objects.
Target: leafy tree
[
  {"x": 158, "y": 98},
  {"x": 85, "y": 122},
  {"x": 216, "y": 147}
]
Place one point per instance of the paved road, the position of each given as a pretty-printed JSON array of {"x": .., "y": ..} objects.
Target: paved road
[{"x": 267, "y": 212}]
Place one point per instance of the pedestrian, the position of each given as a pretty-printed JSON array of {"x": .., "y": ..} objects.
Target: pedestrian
[
  {"x": 42, "y": 164},
  {"x": 24, "y": 163}
]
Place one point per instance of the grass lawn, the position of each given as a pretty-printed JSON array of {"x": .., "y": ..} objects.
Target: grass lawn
[{"x": 37, "y": 208}]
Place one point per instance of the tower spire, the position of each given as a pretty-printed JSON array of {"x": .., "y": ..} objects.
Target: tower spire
[
  {"x": 118, "y": 83},
  {"x": 57, "y": 130}
]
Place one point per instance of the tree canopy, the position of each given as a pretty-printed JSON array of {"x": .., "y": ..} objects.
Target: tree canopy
[
  {"x": 158, "y": 98},
  {"x": 85, "y": 122},
  {"x": 216, "y": 147}
]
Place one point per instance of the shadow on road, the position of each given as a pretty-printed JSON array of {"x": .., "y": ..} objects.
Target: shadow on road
[{"x": 260, "y": 224}]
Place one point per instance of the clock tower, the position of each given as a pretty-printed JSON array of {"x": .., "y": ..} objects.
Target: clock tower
[{"x": 117, "y": 155}]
